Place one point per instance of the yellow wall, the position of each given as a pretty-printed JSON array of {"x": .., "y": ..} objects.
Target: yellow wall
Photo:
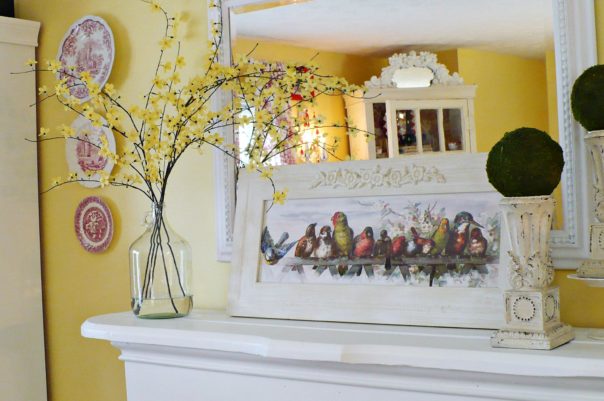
[{"x": 77, "y": 284}]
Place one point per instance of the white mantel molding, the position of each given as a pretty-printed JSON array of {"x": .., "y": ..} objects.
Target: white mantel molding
[
  {"x": 19, "y": 32},
  {"x": 266, "y": 359}
]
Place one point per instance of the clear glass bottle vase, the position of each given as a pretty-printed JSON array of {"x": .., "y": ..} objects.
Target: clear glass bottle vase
[{"x": 160, "y": 270}]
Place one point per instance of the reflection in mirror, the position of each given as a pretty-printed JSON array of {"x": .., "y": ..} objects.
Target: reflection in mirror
[
  {"x": 413, "y": 77},
  {"x": 504, "y": 50}
]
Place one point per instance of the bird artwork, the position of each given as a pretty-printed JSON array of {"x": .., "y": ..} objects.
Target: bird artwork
[
  {"x": 273, "y": 252},
  {"x": 306, "y": 244},
  {"x": 399, "y": 245},
  {"x": 478, "y": 244},
  {"x": 424, "y": 245},
  {"x": 343, "y": 237},
  {"x": 458, "y": 238},
  {"x": 383, "y": 246},
  {"x": 325, "y": 248},
  {"x": 363, "y": 243},
  {"x": 440, "y": 236},
  {"x": 363, "y": 248}
]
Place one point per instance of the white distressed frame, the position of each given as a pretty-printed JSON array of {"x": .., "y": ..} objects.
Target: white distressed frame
[
  {"x": 425, "y": 306},
  {"x": 575, "y": 45}
]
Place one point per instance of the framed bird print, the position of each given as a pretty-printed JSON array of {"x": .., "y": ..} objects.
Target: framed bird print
[{"x": 413, "y": 241}]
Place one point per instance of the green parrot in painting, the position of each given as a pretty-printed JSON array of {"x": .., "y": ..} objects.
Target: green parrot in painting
[
  {"x": 440, "y": 237},
  {"x": 342, "y": 234},
  {"x": 343, "y": 237}
]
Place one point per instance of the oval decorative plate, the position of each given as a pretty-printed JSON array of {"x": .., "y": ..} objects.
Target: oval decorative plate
[
  {"x": 94, "y": 224},
  {"x": 82, "y": 151},
  {"x": 87, "y": 46}
]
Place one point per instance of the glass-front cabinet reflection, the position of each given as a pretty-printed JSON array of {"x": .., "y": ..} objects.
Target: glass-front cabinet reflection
[{"x": 406, "y": 121}]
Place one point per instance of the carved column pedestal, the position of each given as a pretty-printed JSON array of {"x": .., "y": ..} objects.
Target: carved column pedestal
[
  {"x": 532, "y": 307},
  {"x": 594, "y": 266}
]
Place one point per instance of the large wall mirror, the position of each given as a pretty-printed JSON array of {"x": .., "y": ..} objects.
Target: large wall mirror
[{"x": 520, "y": 55}]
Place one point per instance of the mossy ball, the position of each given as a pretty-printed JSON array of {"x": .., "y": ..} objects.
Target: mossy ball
[
  {"x": 525, "y": 162},
  {"x": 587, "y": 98}
]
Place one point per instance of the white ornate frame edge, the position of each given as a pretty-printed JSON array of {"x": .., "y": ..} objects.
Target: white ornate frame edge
[{"x": 575, "y": 43}]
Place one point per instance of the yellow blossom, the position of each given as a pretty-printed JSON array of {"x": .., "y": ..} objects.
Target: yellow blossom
[
  {"x": 109, "y": 89},
  {"x": 67, "y": 131},
  {"x": 72, "y": 176},
  {"x": 42, "y": 90},
  {"x": 54, "y": 65},
  {"x": 85, "y": 77},
  {"x": 155, "y": 6},
  {"x": 267, "y": 172},
  {"x": 31, "y": 63},
  {"x": 180, "y": 61},
  {"x": 167, "y": 66},
  {"x": 166, "y": 43},
  {"x": 279, "y": 197},
  {"x": 43, "y": 131},
  {"x": 56, "y": 181}
]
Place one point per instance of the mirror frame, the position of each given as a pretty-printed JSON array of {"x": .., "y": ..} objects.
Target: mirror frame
[{"x": 575, "y": 50}]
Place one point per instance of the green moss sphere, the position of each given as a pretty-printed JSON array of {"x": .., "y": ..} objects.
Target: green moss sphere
[
  {"x": 525, "y": 162},
  {"x": 587, "y": 98}
]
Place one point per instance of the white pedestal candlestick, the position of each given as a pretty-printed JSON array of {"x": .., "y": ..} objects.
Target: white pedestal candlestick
[
  {"x": 532, "y": 307},
  {"x": 594, "y": 266}
]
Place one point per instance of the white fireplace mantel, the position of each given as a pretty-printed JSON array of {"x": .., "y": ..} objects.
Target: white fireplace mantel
[{"x": 210, "y": 356}]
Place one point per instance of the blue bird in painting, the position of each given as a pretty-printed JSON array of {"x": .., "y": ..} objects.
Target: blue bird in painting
[{"x": 273, "y": 252}]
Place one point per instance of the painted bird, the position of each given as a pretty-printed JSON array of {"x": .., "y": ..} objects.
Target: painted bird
[
  {"x": 399, "y": 244},
  {"x": 419, "y": 244},
  {"x": 383, "y": 246},
  {"x": 363, "y": 243},
  {"x": 306, "y": 244},
  {"x": 273, "y": 252},
  {"x": 458, "y": 238},
  {"x": 342, "y": 234},
  {"x": 325, "y": 248},
  {"x": 440, "y": 237},
  {"x": 478, "y": 244},
  {"x": 343, "y": 237}
]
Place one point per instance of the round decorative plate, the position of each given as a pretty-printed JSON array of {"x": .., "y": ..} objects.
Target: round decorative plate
[
  {"x": 87, "y": 46},
  {"x": 94, "y": 224},
  {"x": 82, "y": 151}
]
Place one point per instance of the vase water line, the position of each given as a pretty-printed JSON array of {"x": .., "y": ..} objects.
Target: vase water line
[
  {"x": 594, "y": 266},
  {"x": 532, "y": 305},
  {"x": 160, "y": 270}
]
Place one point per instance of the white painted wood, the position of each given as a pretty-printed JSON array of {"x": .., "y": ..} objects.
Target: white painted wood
[
  {"x": 209, "y": 356},
  {"x": 442, "y": 306},
  {"x": 22, "y": 367},
  {"x": 575, "y": 49}
]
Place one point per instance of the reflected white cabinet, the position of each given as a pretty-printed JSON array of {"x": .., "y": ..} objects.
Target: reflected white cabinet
[
  {"x": 415, "y": 106},
  {"x": 22, "y": 367}
]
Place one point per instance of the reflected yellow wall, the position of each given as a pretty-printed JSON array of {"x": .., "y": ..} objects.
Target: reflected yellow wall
[
  {"x": 355, "y": 69},
  {"x": 77, "y": 284}
]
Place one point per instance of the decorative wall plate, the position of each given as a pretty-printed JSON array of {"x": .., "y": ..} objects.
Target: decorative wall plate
[
  {"x": 87, "y": 46},
  {"x": 82, "y": 152},
  {"x": 94, "y": 224}
]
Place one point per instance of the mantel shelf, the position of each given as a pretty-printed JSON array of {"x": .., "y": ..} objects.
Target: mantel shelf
[{"x": 419, "y": 347}]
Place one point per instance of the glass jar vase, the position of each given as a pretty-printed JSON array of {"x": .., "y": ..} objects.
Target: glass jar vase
[{"x": 160, "y": 270}]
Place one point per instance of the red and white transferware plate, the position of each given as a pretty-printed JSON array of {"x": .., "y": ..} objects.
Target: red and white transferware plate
[
  {"x": 82, "y": 151},
  {"x": 87, "y": 46},
  {"x": 94, "y": 224}
]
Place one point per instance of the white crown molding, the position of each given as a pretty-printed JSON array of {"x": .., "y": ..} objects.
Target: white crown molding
[
  {"x": 410, "y": 60},
  {"x": 19, "y": 31}
]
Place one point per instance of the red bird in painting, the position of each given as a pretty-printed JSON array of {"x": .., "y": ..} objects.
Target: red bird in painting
[
  {"x": 478, "y": 243},
  {"x": 363, "y": 243},
  {"x": 424, "y": 245},
  {"x": 398, "y": 246}
]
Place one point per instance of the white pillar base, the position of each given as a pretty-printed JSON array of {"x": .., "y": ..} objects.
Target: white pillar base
[{"x": 546, "y": 340}]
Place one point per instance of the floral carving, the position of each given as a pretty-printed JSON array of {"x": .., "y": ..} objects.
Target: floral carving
[
  {"x": 377, "y": 177},
  {"x": 410, "y": 60}
]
